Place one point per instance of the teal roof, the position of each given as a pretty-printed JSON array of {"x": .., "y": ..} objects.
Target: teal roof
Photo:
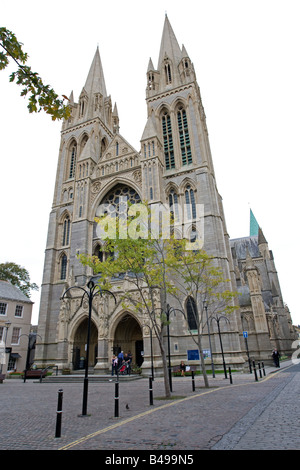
[{"x": 253, "y": 225}]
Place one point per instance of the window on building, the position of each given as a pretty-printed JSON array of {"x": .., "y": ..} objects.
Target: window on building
[
  {"x": 3, "y": 308},
  {"x": 168, "y": 74},
  {"x": 99, "y": 253},
  {"x": 173, "y": 204},
  {"x": 11, "y": 365},
  {"x": 1, "y": 333},
  {"x": 168, "y": 141},
  {"x": 19, "y": 311},
  {"x": 184, "y": 138},
  {"x": 63, "y": 268},
  {"x": 73, "y": 161},
  {"x": 190, "y": 203},
  {"x": 191, "y": 310},
  {"x": 66, "y": 231},
  {"x": 15, "y": 337}
]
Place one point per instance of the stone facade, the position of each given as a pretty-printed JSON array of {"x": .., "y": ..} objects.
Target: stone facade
[
  {"x": 96, "y": 164},
  {"x": 263, "y": 313}
]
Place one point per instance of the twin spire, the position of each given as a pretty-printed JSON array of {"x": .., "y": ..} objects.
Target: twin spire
[{"x": 94, "y": 99}]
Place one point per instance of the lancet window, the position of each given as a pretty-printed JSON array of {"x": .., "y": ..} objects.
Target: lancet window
[
  {"x": 66, "y": 231},
  {"x": 184, "y": 138},
  {"x": 168, "y": 141},
  {"x": 73, "y": 161},
  {"x": 63, "y": 267},
  {"x": 190, "y": 203},
  {"x": 173, "y": 204},
  {"x": 168, "y": 73},
  {"x": 191, "y": 310}
]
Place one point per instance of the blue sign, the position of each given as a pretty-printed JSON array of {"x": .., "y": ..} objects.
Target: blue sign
[
  {"x": 245, "y": 334},
  {"x": 193, "y": 355}
]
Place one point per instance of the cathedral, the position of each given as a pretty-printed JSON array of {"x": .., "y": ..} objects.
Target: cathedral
[{"x": 173, "y": 166}]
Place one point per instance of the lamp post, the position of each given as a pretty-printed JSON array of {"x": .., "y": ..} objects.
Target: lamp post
[
  {"x": 93, "y": 290},
  {"x": 211, "y": 354},
  {"x": 168, "y": 311},
  {"x": 245, "y": 334},
  {"x": 217, "y": 319},
  {"x": 151, "y": 349}
]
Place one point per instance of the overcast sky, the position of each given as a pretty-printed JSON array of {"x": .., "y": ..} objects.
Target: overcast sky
[{"x": 246, "y": 57}]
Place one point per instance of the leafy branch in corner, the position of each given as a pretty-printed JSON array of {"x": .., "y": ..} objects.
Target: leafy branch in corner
[{"x": 40, "y": 96}]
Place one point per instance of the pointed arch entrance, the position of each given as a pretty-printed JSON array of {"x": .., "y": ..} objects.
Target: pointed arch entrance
[
  {"x": 79, "y": 345},
  {"x": 129, "y": 337}
]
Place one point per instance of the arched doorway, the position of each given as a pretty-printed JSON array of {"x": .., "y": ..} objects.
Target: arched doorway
[
  {"x": 128, "y": 337},
  {"x": 79, "y": 346}
]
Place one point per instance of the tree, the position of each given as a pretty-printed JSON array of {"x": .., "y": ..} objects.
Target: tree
[
  {"x": 141, "y": 259},
  {"x": 201, "y": 284},
  {"x": 18, "y": 276},
  {"x": 40, "y": 96},
  {"x": 157, "y": 267}
]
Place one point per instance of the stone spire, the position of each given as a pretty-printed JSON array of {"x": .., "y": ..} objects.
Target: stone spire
[
  {"x": 93, "y": 100},
  {"x": 169, "y": 47},
  {"x": 95, "y": 82}
]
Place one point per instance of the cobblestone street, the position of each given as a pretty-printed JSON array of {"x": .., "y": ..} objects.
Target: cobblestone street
[{"x": 244, "y": 415}]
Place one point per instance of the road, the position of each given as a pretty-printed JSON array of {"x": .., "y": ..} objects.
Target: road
[{"x": 243, "y": 415}]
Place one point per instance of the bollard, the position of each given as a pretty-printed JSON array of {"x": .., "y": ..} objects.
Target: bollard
[
  {"x": 230, "y": 376},
  {"x": 255, "y": 373},
  {"x": 259, "y": 369},
  {"x": 150, "y": 391},
  {"x": 263, "y": 368},
  {"x": 59, "y": 413},
  {"x": 193, "y": 381},
  {"x": 117, "y": 399}
]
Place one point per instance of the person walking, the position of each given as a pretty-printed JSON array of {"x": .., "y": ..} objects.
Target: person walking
[
  {"x": 120, "y": 358},
  {"x": 276, "y": 357}
]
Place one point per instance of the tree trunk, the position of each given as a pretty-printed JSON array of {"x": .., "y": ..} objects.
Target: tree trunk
[
  {"x": 202, "y": 362},
  {"x": 165, "y": 367}
]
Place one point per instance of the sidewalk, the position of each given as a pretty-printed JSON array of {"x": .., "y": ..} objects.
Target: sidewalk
[{"x": 195, "y": 420}]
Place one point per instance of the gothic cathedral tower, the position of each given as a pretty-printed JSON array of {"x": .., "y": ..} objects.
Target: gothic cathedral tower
[{"x": 96, "y": 164}]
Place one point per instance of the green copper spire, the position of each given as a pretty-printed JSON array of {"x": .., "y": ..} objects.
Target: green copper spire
[{"x": 253, "y": 225}]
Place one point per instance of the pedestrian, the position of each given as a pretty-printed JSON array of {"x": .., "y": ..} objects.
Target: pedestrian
[
  {"x": 114, "y": 365},
  {"x": 182, "y": 368},
  {"x": 129, "y": 356},
  {"x": 276, "y": 357},
  {"x": 120, "y": 358}
]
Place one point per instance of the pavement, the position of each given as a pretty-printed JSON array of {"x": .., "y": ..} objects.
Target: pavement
[{"x": 237, "y": 414}]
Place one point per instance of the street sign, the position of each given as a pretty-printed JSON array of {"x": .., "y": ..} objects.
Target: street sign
[
  {"x": 193, "y": 355},
  {"x": 245, "y": 334}
]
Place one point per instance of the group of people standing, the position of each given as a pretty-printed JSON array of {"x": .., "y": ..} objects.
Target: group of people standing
[{"x": 121, "y": 363}]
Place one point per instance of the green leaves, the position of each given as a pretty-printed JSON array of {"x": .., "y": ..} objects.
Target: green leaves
[
  {"x": 18, "y": 276},
  {"x": 40, "y": 96}
]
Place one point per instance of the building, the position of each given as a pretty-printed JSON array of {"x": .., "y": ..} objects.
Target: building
[
  {"x": 264, "y": 316},
  {"x": 96, "y": 165},
  {"x": 15, "y": 325}
]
